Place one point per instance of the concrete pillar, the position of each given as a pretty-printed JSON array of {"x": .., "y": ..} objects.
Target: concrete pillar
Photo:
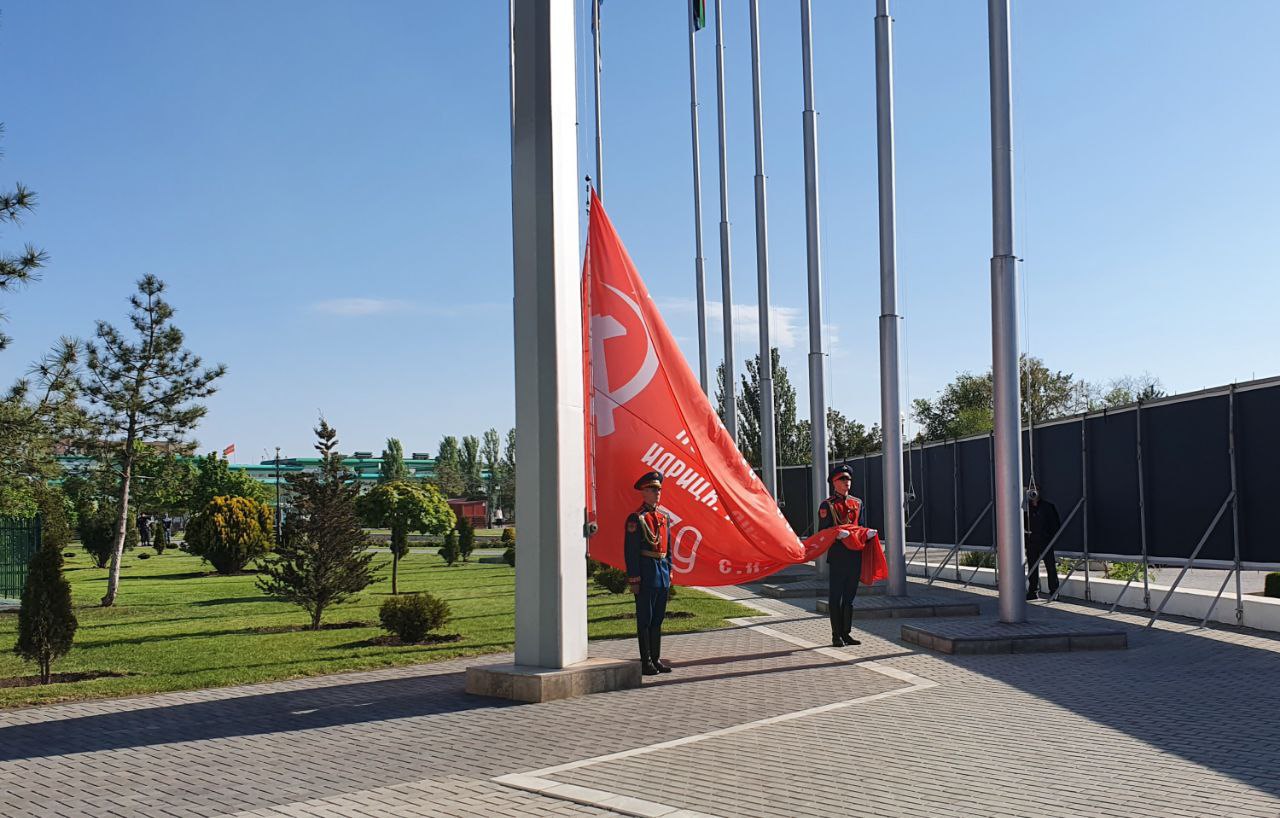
[{"x": 551, "y": 582}]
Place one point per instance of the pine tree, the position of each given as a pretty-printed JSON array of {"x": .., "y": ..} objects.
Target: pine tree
[
  {"x": 469, "y": 466},
  {"x": 792, "y": 443},
  {"x": 491, "y": 454},
  {"x": 393, "y": 467},
  {"x": 46, "y": 622},
  {"x": 324, "y": 558},
  {"x": 19, "y": 268},
  {"x": 143, "y": 390},
  {"x": 506, "y": 488},
  {"x": 448, "y": 469}
]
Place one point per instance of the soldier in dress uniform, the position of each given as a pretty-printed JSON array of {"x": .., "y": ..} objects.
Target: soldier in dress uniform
[
  {"x": 844, "y": 564},
  {"x": 648, "y": 553}
]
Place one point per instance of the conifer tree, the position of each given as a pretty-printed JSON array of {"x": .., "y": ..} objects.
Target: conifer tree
[
  {"x": 46, "y": 622},
  {"x": 393, "y": 467},
  {"x": 147, "y": 389},
  {"x": 323, "y": 559},
  {"x": 449, "y": 476}
]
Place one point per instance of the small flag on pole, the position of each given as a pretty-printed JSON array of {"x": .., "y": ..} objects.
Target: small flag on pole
[
  {"x": 230, "y": 450},
  {"x": 699, "y": 10}
]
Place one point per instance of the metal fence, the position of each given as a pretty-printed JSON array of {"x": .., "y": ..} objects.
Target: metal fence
[
  {"x": 19, "y": 541},
  {"x": 1187, "y": 480}
]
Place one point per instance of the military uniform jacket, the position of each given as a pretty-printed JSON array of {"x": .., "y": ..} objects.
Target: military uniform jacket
[
  {"x": 647, "y": 548},
  {"x": 836, "y": 511}
]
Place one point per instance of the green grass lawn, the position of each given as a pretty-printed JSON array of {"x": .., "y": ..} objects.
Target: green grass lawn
[{"x": 177, "y": 627}]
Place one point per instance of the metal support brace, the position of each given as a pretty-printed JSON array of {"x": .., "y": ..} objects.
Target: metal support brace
[
  {"x": 1053, "y": 597},
  {"x": 1142, "y": 510},
  {"x": 956, "y": 547},
  {"x": 1191, "y": 560},
  {"x": 1116, "y": 604},
  {"x": 1214, "y": 604},
  {"x": 1235, "y": 504}
]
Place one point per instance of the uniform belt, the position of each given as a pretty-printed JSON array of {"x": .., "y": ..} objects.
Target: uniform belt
[{"x": 652, "y": 555}]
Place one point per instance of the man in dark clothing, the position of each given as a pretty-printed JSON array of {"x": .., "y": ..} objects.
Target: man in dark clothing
[
  {"x": 144, "y": 530},
  {"x": 1042, "y": 524}
]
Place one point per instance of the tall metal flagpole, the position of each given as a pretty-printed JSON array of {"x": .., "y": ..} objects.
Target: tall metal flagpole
[
  {"x": 1004, "y": 326},
  {"x": 699, "y": 271},
  {"x": 813, "y": 247},
  {"x": 595, "y": 40},
  {"x": 895, "y": 531},
  {"x": 726, "y": 268},
  {"x": 768, "y": 445}
]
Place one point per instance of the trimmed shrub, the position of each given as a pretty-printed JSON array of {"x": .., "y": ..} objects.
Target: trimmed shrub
[
  {"x": 611, "y": 579},
  {"x": 449, "y": 551},
  {"x": 466, "y": 538},
  {"x": 46, "y": 622},
  {"x": 509, "y": 556},
  {"x": 412, "y": 616},
  {"x": 1272, "y": 586},
  {"x": 508, "y": 537},
  {"x": 230, "y": 532},
  {"x": 97, "y": 531},
  {"x": 592, "y": 567}
]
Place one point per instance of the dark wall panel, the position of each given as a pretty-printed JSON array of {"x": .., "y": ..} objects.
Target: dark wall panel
[
  {"x": 1114, "y": 526},
  {"x": 1187, "y": 470},
  {"x": 938, "y": 493},
  {"x": 975, "y": 490},
  {"x": 913, "y": 479},
  {"x": 1258, "y": 473},
  {"x": 1057, "y": 467},
  {"x": 795, "y": 498},
  {"x": 873, "y": 512}
]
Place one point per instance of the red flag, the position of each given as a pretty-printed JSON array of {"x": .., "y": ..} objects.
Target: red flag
[
  {"x": 230, "y": 450},
  {"x": 646, "y": 411}
]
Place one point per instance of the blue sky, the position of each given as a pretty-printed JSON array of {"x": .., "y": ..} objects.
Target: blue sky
[{"x": 325, "y": 187}]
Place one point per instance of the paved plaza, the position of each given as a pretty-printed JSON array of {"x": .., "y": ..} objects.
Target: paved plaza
[{"x": 758, "y": 720}]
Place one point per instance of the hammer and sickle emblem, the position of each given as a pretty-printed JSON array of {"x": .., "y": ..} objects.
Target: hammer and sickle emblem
[{"x": 604, "y": 327}]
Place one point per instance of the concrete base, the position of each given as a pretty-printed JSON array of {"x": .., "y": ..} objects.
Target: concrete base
[
  {"x": 811, "y": 588},
  {"x": 1026, "y": 637},
  {"x": 884, "y": 606},
  {"x": 523, "y": 683}
]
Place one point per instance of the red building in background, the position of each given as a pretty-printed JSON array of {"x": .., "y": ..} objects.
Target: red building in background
[{"x": 475, "y": 511}]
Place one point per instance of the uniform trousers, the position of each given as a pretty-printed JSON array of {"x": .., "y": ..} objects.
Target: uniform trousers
[
  {"x": 651, "y": 609},
  {"x": 845, "y": 569}
]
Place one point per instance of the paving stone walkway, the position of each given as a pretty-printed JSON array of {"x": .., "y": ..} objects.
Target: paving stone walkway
[{"x": 758, "y": 720}]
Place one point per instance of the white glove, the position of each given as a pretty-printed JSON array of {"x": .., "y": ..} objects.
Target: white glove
[
  {"x": 842, "y": 534},
  {"x": 872, "y": 533}
]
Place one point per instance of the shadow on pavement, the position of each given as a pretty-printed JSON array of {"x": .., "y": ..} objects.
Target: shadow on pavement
[
  {"x": 303, "y": 709},
  {"x": 1202, "y": 695}
]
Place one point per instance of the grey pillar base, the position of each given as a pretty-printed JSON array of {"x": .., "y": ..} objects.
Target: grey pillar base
[
  {"x": 808, "y": 589},
  {"x": 1021, "y": 637},
  {"x": 884, "y": 606},
  {"x": 524, "y": 683}
]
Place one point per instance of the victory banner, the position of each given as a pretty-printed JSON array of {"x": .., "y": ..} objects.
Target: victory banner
[{"x": 646, "y": 411}]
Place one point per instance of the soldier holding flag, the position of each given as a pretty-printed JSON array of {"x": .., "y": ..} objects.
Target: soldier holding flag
[{"x": 844, "y": 563}]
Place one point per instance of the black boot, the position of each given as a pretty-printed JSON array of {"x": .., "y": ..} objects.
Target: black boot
[
  {"x": 847, "y": 621},
  {"x": 837, "y": 625},
  {"x": 646, "y": 663},
  {"x": 655, "y": 650}
]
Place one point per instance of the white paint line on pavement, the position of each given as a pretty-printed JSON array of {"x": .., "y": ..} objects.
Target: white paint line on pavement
[{"x": 538, "y": 781}]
